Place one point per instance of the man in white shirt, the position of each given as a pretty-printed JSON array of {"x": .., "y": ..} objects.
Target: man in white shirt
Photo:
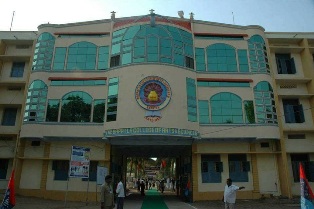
[
  {"x": 230, "y": 194},
  {"x": 120, "y": 194}
]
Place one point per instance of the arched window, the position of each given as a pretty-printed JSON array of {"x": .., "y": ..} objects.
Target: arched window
[
  {"x": 265, "y": 103},
  {"x": 226, "y": 108},
  {"x": 144, "y": 43},
  {"x": 76, "y": 107},
  {"x": 36, "y": 101},
  {"x": 258, "y": 54},
  {"x": 221, "y": 58},
  {"x": 43, "y": 52},
  {"x": 82, "y": 56}
]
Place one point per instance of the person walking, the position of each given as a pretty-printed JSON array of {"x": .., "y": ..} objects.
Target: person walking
[
  {"x": 142, "y": 185},
  {"x": 229, "y": 197},
  {"x": 106, "y": 194},
  {"x": 120, "y": 194}
]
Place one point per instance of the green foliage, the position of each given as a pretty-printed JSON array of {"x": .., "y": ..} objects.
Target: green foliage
[
  {"x": 75, "y": 109},
  {"x": 249, "y": 110}
]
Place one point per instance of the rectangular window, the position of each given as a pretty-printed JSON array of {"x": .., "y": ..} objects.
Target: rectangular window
[
  {"x": 308, "y": 166},
  {"x": 115, "y": 61},
  {"x": 59, "y": 58},
  {"x": 9, "y": 117},
  {"x": 52, "y": 110},
  {"x": 249, "y": 111},
  {"x": 238, "y": 167},
  {"x": 200, "y": 59},
  {"x": 203, "y": 110},
  {"x": 189, "y": 62},
  {"x": 4, "y": 163},
  {"x": 243, "y": 60},
  {"x": 103, "y": 56},
  {"x": 17, "y": 69},
  {"x": 191, "y": 99},
  {"x": 112, "y": 100},
  {"x": 211, "y": 168},
  {"x": 285, "y": 64},
  {"x": 293, "y": 111},
  {"x": 61, "y": 169},
  {"x": 296, "y": 136},
  {"x": 99, "y": 110}
]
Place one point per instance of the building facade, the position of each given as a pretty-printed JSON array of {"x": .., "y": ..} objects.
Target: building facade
[
  {"x": 15, "y": 55},
  {"x": 224, "y": 100},
  {"x": 291, "y": 56}
]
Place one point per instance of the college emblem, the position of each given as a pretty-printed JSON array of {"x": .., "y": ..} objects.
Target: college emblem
[{"x": 153, "y": 94}]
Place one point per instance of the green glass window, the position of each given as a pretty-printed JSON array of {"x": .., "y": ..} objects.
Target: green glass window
[
  {"x": 76, "y": 107},
  {"x": 99, "y": 110},
  {"x": 43, "y": 52},
  {"x": 59, "y": 58},
  {"x": 221, "y": 58},
  {"x": 191, "y": 99},
  {"x": 78, "y": 83},
  {"x": 200, "y": 59},
  {"x": 222, "y": 84},
  {"x": 82, "y": 56},
  {"x": 36, "y": 101},
  {"x": 112, "y": 101},
  {"x": 52, "y": 110},
  {"x": 161, "y": 43},
  {"x": 103, "y": 57},
  {"x": 258, "y": 55},
  {"x": 243, "y": 60},
  {"x": 249, "y": 112},
  {"x": 265, "y": 103},
  {"x": 203, "y": 111},
  {"x": 226, "y": 108}
]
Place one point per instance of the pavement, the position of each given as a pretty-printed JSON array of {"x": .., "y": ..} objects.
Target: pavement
[{"x": 134, "y": 201}]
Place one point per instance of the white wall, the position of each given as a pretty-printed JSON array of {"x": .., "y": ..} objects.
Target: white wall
[{"x": 31, "y": 174}]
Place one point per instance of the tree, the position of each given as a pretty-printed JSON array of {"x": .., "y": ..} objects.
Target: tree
[{"x": 75, "y": 109}]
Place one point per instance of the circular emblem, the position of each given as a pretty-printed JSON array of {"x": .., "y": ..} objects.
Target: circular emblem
[{"x": 153, "y": 93}]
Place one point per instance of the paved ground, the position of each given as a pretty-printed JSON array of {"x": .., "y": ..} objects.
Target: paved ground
[{"x": 134, "y": 201}]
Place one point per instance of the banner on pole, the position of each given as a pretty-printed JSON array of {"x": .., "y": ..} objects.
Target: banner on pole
[
  {"x": 9, "y": 195},
  {"x": 306, "y": 192},
  {"x": 101, "y": 173},
  {"x": 79, "y": 164}
]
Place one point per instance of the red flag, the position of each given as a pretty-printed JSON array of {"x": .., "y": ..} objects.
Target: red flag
[
  {"x": 306, "y": 192},
  {"x": 304, "y": 179},
  {"x": 9, "y": 196}
]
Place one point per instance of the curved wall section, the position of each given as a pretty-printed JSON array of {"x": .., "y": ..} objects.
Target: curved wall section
[{"x": 147, "y": 98}]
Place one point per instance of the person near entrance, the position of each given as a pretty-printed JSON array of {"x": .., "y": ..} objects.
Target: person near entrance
[
  {"x": 106, "y": 194},
  {"x": 142, "y": 187},
  {"x": 120, "y": 194},
  {"x": 229, "y": 197}
]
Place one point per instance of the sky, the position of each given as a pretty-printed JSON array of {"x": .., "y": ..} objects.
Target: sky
[{"x": 273, "y": 15}]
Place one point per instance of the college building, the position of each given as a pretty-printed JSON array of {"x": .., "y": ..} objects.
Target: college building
[{"x": 223, "y": 100}]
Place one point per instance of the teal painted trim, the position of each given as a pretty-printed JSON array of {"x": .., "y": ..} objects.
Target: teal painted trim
[
  {"x": 78, "y": 83},
  {"x": 63, "y": 123},
  {"x": 222, "y": 84},
  {"x": 150, "y": 131}
]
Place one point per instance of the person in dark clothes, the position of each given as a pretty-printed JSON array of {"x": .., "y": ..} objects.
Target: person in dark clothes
[
  {"x": 162, "y": 186},
  {"x": 138, "y": 184},
  {"x": 142, "y": 186}
]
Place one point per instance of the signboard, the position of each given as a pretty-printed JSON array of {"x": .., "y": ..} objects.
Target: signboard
[
  {"x": 151, "y": 131},
  {"x": 79, "y": 164},
  {"x": 101, "y": 173}
]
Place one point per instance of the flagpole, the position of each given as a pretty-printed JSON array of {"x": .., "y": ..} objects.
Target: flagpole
[
  {"x": 90, "y": 155},
  {"x": 66, "y": 193}
]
